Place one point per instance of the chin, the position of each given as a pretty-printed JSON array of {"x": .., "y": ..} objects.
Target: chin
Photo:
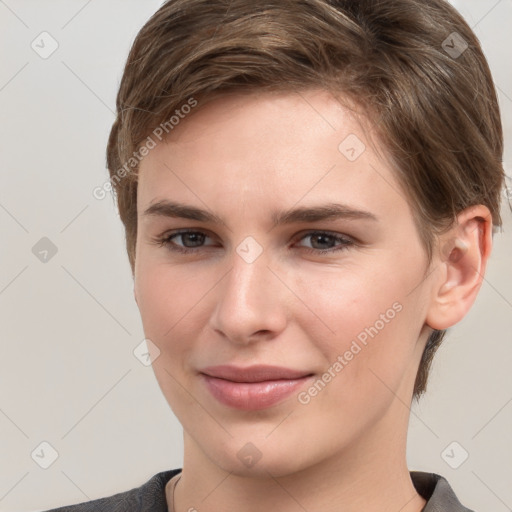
[{"x": 258, "y": 458}]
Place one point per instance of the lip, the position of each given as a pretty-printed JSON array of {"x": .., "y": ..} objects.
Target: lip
[{"x": 254, "y": 387}]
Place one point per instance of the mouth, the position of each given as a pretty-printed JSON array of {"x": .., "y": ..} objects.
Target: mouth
[{"x": 252, "y": 388}]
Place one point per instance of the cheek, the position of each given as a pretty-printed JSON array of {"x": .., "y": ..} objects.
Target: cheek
[
  {"x": 369, "y": 323},
  {"x": 166, "y": 300},
  {"x": 349, "y": 298},
  {"x": 166, "y": 295}
]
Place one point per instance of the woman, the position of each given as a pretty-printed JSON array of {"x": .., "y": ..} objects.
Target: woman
[{"x": 309, "y": 190}]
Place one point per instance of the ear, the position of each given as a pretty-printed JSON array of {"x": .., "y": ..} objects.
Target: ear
[{"x": 460, "y": 263}]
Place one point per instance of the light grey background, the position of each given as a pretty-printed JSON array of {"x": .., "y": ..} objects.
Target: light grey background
[{"x": 68, "y": 327}]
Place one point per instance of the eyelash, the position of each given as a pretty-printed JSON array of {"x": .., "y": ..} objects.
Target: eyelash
[{"x": 165, "y": 240}]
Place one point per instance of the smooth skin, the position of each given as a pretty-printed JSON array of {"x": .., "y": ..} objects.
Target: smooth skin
[{"x": 243, "y": 157}]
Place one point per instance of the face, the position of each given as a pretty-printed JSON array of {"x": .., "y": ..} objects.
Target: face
[{"x": 341, "y": 299}]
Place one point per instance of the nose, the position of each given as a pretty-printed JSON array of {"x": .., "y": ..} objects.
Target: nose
[{"x": 250, "y": 302}]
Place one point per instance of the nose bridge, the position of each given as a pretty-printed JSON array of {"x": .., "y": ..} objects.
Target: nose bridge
[{"x": 249, "y": 300}]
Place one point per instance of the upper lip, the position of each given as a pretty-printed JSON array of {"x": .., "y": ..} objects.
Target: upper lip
[{"x": 256, "y": 373}]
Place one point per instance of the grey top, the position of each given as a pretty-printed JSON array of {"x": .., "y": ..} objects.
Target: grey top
[{"x": 150, "y": 497}]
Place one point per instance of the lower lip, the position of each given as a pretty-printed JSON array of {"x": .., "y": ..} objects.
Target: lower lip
[{"x": 251, "y": 396}]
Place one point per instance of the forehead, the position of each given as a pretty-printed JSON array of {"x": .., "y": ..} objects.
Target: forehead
[
  {"x": 263, "y": 114},
  {"x": 262, "y": 149}
]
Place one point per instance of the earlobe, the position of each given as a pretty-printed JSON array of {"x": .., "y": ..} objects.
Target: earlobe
[{"x": 461, "y": 262}]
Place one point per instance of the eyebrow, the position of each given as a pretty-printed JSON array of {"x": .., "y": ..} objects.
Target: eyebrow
[{"x": 330, "y": 211}]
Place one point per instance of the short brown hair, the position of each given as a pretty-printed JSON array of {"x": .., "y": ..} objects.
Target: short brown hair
[{"x": 414, "y": 66}]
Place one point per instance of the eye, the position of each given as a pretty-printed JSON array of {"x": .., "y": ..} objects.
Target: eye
[
  {"x": 325, "y": 237},
  {"x": 193, "y": 241},
  {"x": 186, "y": 236}
]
